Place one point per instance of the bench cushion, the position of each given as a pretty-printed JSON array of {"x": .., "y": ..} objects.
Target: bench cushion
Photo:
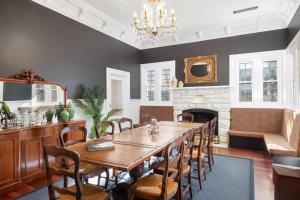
[
  {"x": 278, "y": 145},
  {"x": 246, "y": 133}
]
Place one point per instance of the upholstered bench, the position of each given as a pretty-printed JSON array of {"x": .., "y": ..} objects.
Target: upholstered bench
[{"x": 274, "y": 130}]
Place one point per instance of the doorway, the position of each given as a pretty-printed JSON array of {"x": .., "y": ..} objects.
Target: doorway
[{"x": 117, "y": 91}]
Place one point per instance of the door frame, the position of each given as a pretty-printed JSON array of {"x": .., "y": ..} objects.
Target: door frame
[{"x": 115, "y": 74}]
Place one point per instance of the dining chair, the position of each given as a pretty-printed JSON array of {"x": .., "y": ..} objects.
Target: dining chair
[
  {"x": 185, "y": 117},
  {"x": 105, "y": 128},
  {"x": 211, "y": 134},
  {"x": 198, "y": 154},
  {"x": 78, "y": 191},
  {"x": 86, "y": 170},
  {"x": 122, "y": 124},
  {"x": 166, "y": 186}
]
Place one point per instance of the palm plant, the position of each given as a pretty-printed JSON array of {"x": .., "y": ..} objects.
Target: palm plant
[{"x": 92, "y": 102}]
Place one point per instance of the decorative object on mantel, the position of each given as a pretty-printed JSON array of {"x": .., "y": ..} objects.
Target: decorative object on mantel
[
  {"x": 180, "y": 84},
  {"x": 155, "y": 21},
  {"x": 174, "y": 82},
  {"x": 91, "y": 102},
  {"x": 200, "y": 69}
]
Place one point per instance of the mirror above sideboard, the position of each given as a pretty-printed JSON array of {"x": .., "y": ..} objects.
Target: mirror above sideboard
[{"x": 28, "y": 93}]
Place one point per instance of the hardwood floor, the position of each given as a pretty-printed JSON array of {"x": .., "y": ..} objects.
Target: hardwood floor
[{"x": 264, "y": 189}]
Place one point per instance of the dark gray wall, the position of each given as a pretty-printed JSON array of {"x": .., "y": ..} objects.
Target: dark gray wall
[
  {"x": 59, "y": 48},
  {"x": 294, "y": 26},
  {"x": 265, "y": 41}
]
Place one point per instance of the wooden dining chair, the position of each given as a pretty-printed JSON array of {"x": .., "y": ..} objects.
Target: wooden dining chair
[
  {"x": 103, "y": 126},
  {"x": 162, "y": 187},
  {"x": 198, "y": 154},
  {"x": 185, "y": 117},
  {"x": 79, "y": 191},
  {"x": 86, "y": 170},
  {"x": 211, "y": 134},
  {"x": 122, "y": 124}
]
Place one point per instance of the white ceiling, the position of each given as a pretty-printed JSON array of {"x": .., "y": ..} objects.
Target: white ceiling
[{"x": 210, "y": 18}]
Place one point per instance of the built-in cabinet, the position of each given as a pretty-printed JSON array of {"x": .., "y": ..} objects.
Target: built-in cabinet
[{"x": 21, "y": 153}]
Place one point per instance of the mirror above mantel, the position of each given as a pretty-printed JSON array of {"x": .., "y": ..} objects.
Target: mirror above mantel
[{"x": 200, "y": 69}]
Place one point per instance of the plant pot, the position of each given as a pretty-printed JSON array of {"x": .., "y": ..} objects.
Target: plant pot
[{"x": 49, "y": 115}]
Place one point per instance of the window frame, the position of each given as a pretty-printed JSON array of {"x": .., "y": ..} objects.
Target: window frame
[
  {"x": 257, "y": 60},
  {"x": 157, "y": 67}
]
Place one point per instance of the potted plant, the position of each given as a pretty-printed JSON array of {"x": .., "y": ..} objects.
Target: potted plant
[{"x": 92, "y": 102}]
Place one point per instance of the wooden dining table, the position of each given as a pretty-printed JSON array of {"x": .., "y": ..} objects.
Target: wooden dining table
[{"x": 133, "y": 147}]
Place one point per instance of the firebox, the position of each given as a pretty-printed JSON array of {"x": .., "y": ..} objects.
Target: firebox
[{"x": 202, "y": 115}]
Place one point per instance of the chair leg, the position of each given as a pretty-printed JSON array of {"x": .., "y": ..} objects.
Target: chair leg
[
  {"x": 199, "y": 174},
  {"x": 65, "y": 181},
  {"x": 190, "y": 183},
  {"x": 212, "y": 155}
]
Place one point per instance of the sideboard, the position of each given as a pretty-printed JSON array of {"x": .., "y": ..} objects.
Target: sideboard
[{"x": 21, "y": 152}]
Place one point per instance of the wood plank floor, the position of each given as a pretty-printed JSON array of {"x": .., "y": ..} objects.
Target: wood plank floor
[{"x": 264, "y": 189}]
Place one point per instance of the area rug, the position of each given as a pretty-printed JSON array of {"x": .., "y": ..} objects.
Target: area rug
[{"x": 231, "y": 179}]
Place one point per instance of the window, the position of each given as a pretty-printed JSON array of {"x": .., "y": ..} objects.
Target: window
[
  {"x": 40, "y": 93},
  {"x": 155, "y": 83},
  {"x": 256, "y": 79},
  {"x": 270, "y": 84},
  {"x": 245, "y": 82}
]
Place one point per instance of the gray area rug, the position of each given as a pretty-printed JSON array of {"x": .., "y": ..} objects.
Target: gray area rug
[{"x": 231, "y": 179}]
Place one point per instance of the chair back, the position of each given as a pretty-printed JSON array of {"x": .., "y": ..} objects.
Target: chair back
[
  {"x": 122, "y": 124},
  {"x": 67, "y": 139},
  {"x": 189, "y": 146},
  {"x": 212, "y": 129},
  {"x": 62, "y": 153},
  {"x": 173, "y": 160},
  {"x": 102, "y": 126},
  {"x": 146, "y": 119},
  {"x": 185, "y": 117},
  {"x": 203, "y": 142}
]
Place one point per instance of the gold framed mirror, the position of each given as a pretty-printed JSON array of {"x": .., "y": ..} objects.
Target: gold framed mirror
[{"x": 200, "y": 69}]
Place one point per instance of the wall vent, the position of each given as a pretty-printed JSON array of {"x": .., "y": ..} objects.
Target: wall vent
[{"x": 245, "y": 10}]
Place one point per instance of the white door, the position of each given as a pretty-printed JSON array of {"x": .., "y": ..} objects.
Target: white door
[{"x": 117, "y": 91}]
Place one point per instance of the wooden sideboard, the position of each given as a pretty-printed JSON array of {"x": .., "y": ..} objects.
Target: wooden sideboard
[{"x": 21, "y": 152}]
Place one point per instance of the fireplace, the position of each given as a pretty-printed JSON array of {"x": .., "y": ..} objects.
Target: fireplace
[{"x": 202, "y": 115}]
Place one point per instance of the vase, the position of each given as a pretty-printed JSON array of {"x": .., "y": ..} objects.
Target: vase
[
  {"x": 174, "y": 82},
  {"x": 180, "y": 84},
  {"x": 71, "y": 111},
  {"x": 64, "y": 115}
]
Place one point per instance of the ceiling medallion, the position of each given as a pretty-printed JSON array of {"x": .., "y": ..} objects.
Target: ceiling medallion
[{"x": 154, "y": 21}]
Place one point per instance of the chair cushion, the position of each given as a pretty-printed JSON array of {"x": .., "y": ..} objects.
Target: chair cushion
[
  {"x": 150, "y": 186},
  {"x": 85, "y": 168},
  {"x": 161, "y": 167},
  {"x": 90, "y": 192},
  {"x": 278, "y": 145},
  {"x": 195, "y": 155}
]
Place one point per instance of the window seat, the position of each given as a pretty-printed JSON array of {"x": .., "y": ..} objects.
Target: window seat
[{"x": 278, "y": 129}]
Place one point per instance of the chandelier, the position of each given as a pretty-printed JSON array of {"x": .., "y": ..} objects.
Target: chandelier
[{"x": 154, "y": 21}]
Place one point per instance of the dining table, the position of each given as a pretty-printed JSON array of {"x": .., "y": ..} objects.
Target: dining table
[{"x": 133, "y": 146}]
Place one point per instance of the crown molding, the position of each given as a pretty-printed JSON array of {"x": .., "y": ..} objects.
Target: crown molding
[{"x": 82, "y": 12}]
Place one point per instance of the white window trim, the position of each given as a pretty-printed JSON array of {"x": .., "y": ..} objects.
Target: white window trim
[
  {"x": 157, "y": 67},
  {"x": 257, "y": 95}
]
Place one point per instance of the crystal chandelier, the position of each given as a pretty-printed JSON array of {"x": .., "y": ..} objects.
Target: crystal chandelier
[{"x": 155, "y": 21}]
